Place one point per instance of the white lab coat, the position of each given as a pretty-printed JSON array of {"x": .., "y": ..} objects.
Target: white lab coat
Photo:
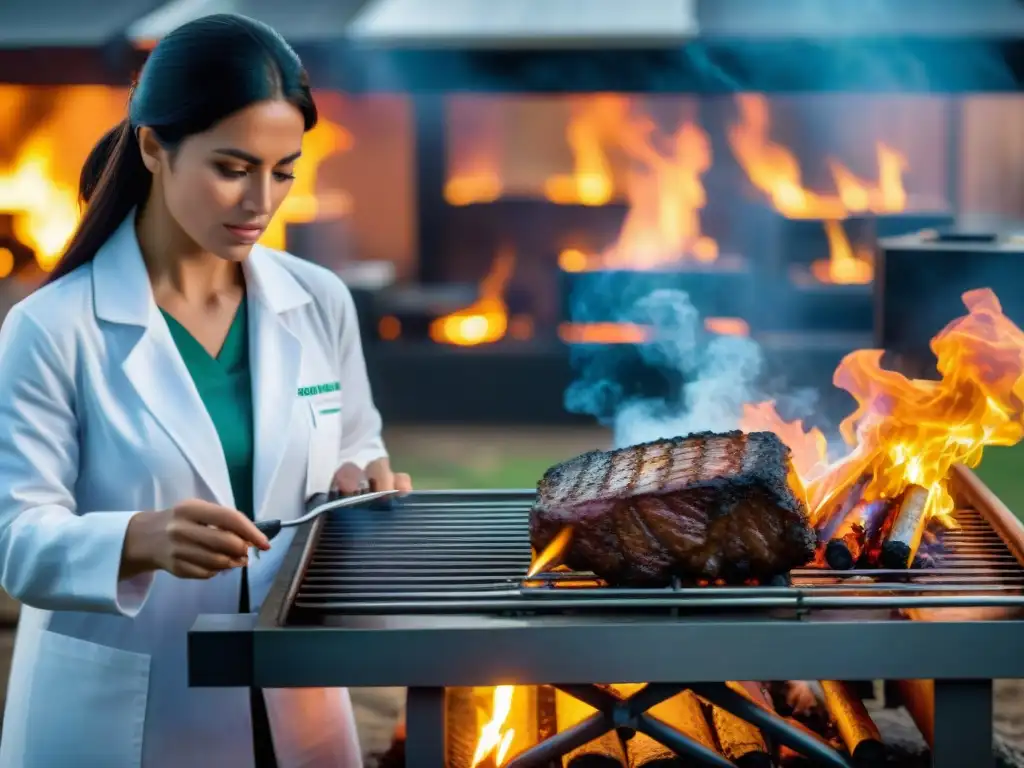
[{"x": 99, "y": 419}]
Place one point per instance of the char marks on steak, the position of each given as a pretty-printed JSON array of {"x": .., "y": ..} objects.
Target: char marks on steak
[{"x": 714, "y": 506}]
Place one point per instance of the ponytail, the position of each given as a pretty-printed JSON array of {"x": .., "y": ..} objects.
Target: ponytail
[
  {"x": 113, "y": 181},
  {"x": 197, "y": 75}
]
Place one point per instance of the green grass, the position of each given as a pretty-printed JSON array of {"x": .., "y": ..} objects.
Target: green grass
[
  {"x": 510, "y": 472},
  {"x": 1002, "y": 470}
]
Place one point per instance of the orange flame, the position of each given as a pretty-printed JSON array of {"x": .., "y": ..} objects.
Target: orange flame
[
  {"x": 474, "y": 157},
  {"x": 303, "y": 203},
  {"x": 51, "y": 131},
  {"x": 859, "y": 196},
  {"x": 809, "y": 448},
  {"x": 664, "y": 187},
  {"x": 774, "y": 170},
  {"x": 844, "y": 265},
  {"x": 39, "y": 182},
  {"x": 593, "y": 122},
  {"x": 495, "y": 739},
  {"x": 552, "y": 552},
  {"x": 912, "y": 431},
  {"x": 485, "y": 321},
  {"x": 604, "y": 333}
]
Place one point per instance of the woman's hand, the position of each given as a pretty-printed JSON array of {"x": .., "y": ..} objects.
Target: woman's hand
[
  {"x": 193, "y": 540},
  {"x": 377, "y": 476}
]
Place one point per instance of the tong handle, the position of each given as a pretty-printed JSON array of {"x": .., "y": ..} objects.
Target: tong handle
[
  {"x": 317, "y": 499},
  {"x": 314, "y": 501},
  {"x": 269, "y": 528}
]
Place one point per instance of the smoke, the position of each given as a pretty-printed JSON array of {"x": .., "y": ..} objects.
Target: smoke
[{"x": 716, "y": 376}]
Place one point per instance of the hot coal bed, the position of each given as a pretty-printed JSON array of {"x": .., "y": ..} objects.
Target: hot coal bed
[{"x": 431, "y": 593}]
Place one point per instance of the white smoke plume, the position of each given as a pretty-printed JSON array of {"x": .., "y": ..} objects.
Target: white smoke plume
[{"x": 720, "y": 374}]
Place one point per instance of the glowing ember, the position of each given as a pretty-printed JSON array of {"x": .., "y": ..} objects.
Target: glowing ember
[
  {"x": 485, "y": 321},
  {"x": 912, "y": 431},
  {"x": 604, "y": 333},
  {"x": 495, "y": 739},
  {"x": 727, "y": 326}
]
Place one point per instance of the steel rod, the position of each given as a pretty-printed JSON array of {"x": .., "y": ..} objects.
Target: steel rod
[
  {"x": 804, "y": 743},
  {"x": 591, "y": 695},
  {"x": 562, "y": 743},
  {"x": 451, "y": 551},
  {"x": 962, "y": 729},
  {"x": 674, "y": 740},
  {"x": 425, "y": 728},
  {"x": 650, "y": 696}
]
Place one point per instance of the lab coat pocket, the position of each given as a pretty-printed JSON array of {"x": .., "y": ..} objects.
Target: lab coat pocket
[
  {"x": 324, "y": 443},
  {"x": 86, "y": 705}
]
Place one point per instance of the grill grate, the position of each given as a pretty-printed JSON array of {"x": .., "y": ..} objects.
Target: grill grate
[{"x": 468, "y": 551}]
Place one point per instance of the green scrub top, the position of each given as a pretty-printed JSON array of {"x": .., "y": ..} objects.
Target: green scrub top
[{"x": 225, "y": 387}]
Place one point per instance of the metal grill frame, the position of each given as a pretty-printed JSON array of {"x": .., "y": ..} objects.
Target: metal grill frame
[
  {"x": 428, "y": 653},
  {"x": 373, "y": 563}
]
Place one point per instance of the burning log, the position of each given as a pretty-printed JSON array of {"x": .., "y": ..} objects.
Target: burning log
[
  {"x": 739, "y": 740},
  {"x": 855, "y": 726},
  {"x": 908, "y": 526},
  {"x": 790, "y": 758},
  {"x": 685, "y": 714},
  {"x": 851, "y": 539},
  {"x": 841, "y": 509},
  {"x": 547, "y": 721},
  {"x": 605, "y": 751},
  {"x": 463, "y": 714},
  {"x": 918, "y": 696}
]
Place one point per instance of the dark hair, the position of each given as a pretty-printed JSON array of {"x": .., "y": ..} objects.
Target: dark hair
[{"x": 197, "y": 75}]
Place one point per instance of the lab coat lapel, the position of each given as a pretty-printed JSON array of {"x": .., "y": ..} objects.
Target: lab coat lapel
[
  {"x": 153, "y": 364},
  {"x": 276, "y": 357}
]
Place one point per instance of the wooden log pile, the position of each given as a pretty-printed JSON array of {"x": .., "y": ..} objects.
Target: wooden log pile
[
  {"x": 894, "y": 533},
  {"x": 840, "y": 720}
]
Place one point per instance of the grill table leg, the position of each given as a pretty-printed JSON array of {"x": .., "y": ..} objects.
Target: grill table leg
[
  {"x": 963, "y": 724},
  {"x": 425, "y": 727}
]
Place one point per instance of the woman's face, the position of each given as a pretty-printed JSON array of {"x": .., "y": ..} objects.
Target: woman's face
[{"x": 223, "y": 186}]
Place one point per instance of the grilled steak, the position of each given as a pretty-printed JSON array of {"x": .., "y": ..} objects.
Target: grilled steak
[{"x": 713, "y": 506}]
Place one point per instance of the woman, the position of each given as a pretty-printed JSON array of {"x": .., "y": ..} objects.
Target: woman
[{"x": 171, "y": 383}]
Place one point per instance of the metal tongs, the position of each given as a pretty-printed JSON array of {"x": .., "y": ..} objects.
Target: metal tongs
[{"x": 318, "y": 505}]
